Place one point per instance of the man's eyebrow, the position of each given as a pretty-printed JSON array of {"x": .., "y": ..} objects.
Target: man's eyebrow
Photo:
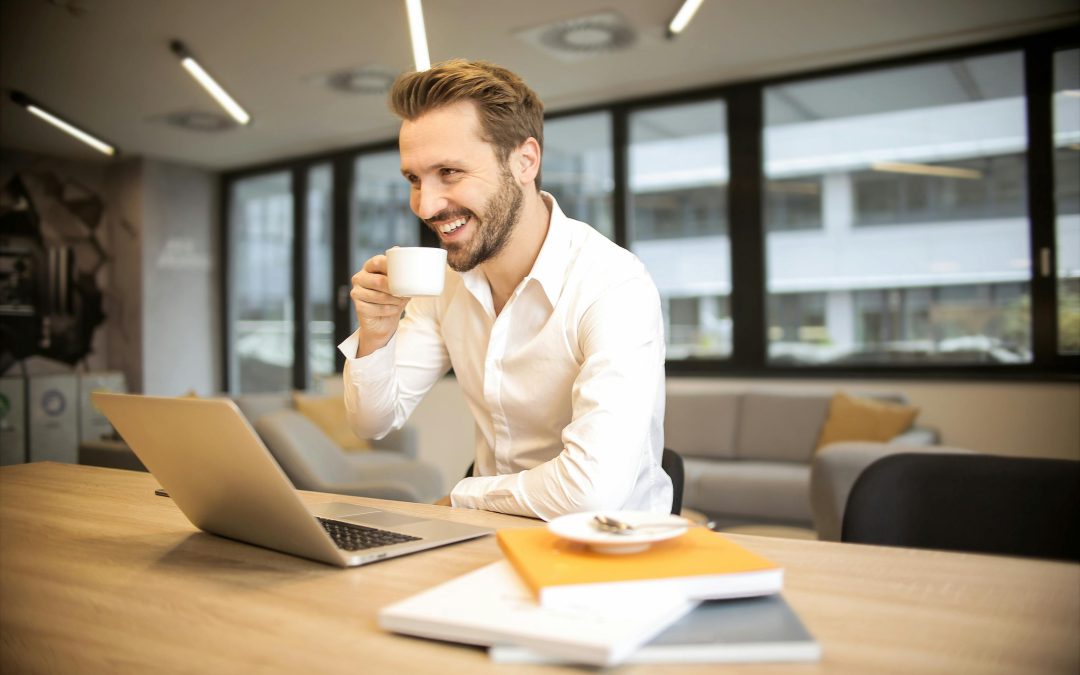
[{"x": 406, "y": 171}]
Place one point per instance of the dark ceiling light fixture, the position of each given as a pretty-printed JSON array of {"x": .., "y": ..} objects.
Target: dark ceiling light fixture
[
  {"x": 209, "y": 83},
  {"x": 40, "y": 111},
  {"x": 682, "y": 18}
]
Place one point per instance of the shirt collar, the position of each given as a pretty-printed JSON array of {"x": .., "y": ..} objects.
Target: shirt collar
[{"x": 549, "y": 270}]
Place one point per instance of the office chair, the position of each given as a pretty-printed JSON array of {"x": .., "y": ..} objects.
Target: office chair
[
  {"x": 976, "y": 503},
  {"x": 672, "y": 465}
]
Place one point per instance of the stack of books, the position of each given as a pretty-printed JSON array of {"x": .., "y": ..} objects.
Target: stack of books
[{"x": 699, "y": 597}]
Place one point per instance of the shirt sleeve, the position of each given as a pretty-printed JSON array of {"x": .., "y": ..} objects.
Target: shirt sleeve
[
  {"x": 383, "y": 388},
  {"x": 614, "y": 403}
]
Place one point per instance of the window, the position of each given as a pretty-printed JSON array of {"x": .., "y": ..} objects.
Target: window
[
  {"x": 793, "y": 204},
  {"x": 320, "y": 271},
  {"x": 1067, "y": 196},
  {"x": 935, "y": 153},
  {"x": 261, "y": 306},
  {"x": 972, "y": 189},
  {"x": 873, "y": 220},
  {"x": 577, "y": 168},
  {"x": 678, "y": 175},
  {"x": 380, "y": 216}
]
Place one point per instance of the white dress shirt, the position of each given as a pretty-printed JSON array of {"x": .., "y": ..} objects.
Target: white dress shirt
[{"x": 566, "y": 384}]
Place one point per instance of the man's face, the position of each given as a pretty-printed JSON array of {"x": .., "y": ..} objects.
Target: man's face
[{"x": 459, "y": 187}]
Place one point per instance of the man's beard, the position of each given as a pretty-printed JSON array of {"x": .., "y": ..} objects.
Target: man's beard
[{"x": 493, "y": 228}]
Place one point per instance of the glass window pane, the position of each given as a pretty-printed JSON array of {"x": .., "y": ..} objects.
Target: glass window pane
[
  {"x": 380, "y": 215},
  {"x": 896, "y": 216},
  {"x": 1067, "y": 196},
  {"x": 678, "y": 209},
  {"x": 261, "y": 306},
  {"x": 320, "y": 235},
  {"x": 578, "y": 168}
]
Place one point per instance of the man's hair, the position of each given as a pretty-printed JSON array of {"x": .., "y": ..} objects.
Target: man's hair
[{"x": 510, "y": 112}]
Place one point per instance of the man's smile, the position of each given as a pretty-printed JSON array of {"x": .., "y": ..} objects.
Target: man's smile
[{"x": 450, "y": 226}]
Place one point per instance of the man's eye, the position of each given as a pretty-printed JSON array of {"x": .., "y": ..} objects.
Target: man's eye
[{"x": 450, "y": 172}]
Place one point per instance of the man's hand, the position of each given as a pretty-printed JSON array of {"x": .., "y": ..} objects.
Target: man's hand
[
  {"x": 377, "y": 312},
  {"x": 445, "y": 501}
]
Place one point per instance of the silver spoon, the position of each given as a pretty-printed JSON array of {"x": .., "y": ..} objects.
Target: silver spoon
[{"x": 616, "y": 526}]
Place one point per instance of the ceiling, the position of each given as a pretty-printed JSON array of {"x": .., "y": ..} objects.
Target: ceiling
[{"x": 106, "y": 64}]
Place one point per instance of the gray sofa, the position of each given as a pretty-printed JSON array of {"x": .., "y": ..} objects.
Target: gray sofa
[
  {"x": 747, "y": 455},
  {"x": 313, "y": 461}
]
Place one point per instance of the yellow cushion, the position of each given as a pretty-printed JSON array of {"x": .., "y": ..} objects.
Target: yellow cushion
[
  {"x": 861, "y": 419},
  {"x": 328, "y": 413}
]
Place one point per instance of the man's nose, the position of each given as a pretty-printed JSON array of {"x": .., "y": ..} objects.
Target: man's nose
[{"x": 430, "y": 200}]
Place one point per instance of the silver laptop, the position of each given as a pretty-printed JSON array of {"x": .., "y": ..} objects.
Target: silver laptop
[{"x": 215, "y": 467}]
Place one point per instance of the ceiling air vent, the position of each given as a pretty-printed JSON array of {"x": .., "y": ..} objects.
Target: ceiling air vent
[
  {"x": 372, "y": 79},
  {"x": 583, "y": 37}
]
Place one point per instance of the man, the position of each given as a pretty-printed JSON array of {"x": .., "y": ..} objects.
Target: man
[{"x": 554, "y": 333}]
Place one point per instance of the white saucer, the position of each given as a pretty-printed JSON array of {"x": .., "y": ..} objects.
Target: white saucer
[{"x": 578, "y": 527}]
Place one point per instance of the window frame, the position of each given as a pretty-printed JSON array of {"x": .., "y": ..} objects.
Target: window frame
[{"x": 744, "y": 105}]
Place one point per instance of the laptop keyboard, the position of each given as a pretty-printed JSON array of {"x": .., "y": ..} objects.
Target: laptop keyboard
[{"x": 351, "y": 537}]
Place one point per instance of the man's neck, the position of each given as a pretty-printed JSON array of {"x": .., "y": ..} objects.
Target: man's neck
[{"x": 506, "y": 270}]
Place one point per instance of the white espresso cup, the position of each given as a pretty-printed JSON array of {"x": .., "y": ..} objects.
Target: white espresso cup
[{"x": 415, "y": 270}]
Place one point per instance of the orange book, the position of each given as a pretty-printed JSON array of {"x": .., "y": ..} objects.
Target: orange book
[{"x": 699, "y": 565}]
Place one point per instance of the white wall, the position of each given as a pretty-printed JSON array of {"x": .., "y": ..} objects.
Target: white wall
[{"x": 181, "y": 280}]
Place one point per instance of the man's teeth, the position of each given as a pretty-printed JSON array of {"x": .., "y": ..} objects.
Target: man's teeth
[{"x": 447, "y": 228}]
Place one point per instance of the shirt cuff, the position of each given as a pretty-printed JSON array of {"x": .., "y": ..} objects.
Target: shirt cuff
[
  {"x": 379, "y": 361},
  {"x": 492, "y": 493}
]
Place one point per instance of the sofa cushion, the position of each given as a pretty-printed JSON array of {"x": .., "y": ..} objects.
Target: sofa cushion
[
  {"x": 328, "y": 413},
  {"x": 255, "y": 406},
  {"x": 701, "y": 426},
  {"x": 861, "y": 419},
  {"x": 780, "y": 427},
  {"x": 746, "y": 490}
]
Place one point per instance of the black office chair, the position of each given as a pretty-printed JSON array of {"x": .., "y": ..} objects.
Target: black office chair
[
  {"x": 672, "y": 465},
  {"x": 976, "y": 503}
]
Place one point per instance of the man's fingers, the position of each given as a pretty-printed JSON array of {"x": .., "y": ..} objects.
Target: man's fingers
[
  {"x": 376, "y": 264},
  {"x": 373, "y": 297}
]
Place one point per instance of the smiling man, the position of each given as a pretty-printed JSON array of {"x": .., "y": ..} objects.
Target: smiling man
[{"x": 554, "y": 333}]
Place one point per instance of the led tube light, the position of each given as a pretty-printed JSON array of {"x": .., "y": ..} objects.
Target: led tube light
[
  {"x": 683, "y": 16},
  {"x": 418, "y": 35},
  {"x": 35, "y": 109},
  {"x": 210, "y": 84}
]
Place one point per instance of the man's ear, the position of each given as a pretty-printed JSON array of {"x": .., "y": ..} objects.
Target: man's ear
[{"x": 525, "y": 161}]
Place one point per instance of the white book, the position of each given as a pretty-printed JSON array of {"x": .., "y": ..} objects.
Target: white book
[
  {"x": 492, "y": 606},
  {"x": 748, "y": 630}
]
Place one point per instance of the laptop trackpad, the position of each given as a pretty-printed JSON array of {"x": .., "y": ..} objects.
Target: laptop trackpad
[{"x": 384, "y": 519}]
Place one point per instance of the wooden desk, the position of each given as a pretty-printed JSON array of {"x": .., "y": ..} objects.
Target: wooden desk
[{"x": 98, "y": 575}]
